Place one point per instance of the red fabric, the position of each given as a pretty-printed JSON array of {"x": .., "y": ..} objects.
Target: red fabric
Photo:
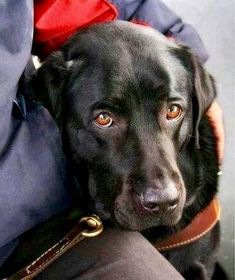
[
  {"x": 56, "y": 20},
  {"x": 141, "y": 22}
]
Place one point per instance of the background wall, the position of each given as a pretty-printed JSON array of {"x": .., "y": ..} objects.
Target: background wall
[{"x": 214, "y": 21}]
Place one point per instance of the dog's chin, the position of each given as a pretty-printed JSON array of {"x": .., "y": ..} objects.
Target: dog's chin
[{"x": 137, "y": 222}]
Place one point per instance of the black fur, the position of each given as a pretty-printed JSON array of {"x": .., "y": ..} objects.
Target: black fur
[{"x": 134, "y": 73}]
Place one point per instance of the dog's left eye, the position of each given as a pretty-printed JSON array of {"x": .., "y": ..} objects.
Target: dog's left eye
[
  {"x": 103, "y": 120},
  {"x": 174, "y": 112}
]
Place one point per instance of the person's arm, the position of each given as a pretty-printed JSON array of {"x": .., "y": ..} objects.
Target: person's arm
[
  {"x": 214, "y": 115},
  {"x": 157, "y": 15}
]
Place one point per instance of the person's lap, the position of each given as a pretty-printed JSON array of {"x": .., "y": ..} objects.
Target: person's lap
[{"x": 114, "y": 254}]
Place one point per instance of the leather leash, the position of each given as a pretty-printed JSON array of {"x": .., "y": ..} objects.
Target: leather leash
[{"x": 87, "y": 227}]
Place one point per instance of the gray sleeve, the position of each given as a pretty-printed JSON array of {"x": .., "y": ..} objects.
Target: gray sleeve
[{"x": 156, "y": 14}]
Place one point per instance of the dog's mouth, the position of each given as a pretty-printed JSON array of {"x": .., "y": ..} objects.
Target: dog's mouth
[
  {"x": 138, "y": 210},
  {"x": 133, "y": 216}
]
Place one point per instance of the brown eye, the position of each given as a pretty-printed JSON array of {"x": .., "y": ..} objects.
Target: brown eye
[
  {"x": 174, "y": 112},
  {"x": 103, "y": 120}
]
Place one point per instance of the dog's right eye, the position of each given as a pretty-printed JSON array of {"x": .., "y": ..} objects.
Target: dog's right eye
[
  {"x": 174, "y": 112},
  {"x": 103, "y": 120}
]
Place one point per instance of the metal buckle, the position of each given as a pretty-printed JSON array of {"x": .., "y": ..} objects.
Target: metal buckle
[{"x": 94, "y": 223}]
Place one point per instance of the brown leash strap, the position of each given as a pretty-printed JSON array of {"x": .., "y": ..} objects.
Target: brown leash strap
[
  {"x": 199, "y": 226},
  {"x": 87, "y": 227}
]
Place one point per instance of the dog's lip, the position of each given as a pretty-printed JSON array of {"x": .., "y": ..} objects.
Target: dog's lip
[
  {"x": 121, "y": 219},
  {"x": 189, "y": 201}
]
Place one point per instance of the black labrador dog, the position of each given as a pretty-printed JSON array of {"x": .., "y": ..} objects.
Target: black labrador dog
[{"x": 130, "y": 107}]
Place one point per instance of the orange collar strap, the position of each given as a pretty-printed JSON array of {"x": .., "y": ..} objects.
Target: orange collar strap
[{"x": 199, "y": 226}]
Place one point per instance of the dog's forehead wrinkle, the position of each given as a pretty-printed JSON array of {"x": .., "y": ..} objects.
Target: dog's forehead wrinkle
[
  {"x": 121, "y": 85},
  {"x": 177, "y": 73},
  {"x": 83, "y": 92}
]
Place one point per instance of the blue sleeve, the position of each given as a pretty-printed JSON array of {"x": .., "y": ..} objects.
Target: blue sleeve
[
  {"x": 33, "y": 175},
  {"x": 159, "y": 16}
]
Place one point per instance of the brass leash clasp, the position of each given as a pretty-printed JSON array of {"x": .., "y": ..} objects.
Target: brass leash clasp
[{"x": 95, "y": 225}]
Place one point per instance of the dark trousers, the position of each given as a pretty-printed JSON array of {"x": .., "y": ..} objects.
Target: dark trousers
[{"x": 114, "y": 255}]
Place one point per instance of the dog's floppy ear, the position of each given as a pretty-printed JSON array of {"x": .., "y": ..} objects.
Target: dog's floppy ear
[
  {"x": 49, "y": 84},
  {"x": 204, "y": 92}
]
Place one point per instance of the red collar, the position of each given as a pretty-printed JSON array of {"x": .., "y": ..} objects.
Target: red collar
[{"x": 199, "y": 226}]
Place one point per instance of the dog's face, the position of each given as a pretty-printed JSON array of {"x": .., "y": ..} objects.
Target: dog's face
[{"x": 123, "y": 97}]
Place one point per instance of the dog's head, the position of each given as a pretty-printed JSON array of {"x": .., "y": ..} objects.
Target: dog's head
[{"x": 128, "y": 103}]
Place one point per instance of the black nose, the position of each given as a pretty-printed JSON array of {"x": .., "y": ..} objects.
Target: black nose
[{"x": 160, "y": 200}]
